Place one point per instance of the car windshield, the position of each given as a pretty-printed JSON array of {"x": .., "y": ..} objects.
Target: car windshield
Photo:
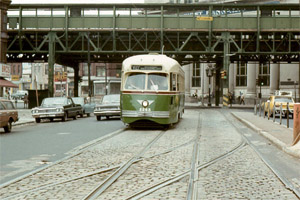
[
  {"x": 157, "y": 81},
  {"x": 111, "y": 99},
  {"x": 78, "y": 100},
  {"x": 54, "y": 101},
  {"x": 283, "y": 99},
  {"x": 135, "y": 81}
]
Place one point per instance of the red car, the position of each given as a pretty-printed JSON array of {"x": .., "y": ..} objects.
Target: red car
[{"x": 8, "y": 115}]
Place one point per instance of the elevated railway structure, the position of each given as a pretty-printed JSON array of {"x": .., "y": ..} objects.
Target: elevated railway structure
[{"x": 215, "y": 33}]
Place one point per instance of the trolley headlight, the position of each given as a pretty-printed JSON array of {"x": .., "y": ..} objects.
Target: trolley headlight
[{"x": 145, "y": 103}]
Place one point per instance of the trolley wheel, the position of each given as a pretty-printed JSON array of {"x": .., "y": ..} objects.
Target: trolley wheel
[
  {"x": 51, "y": 119},
  {"x": 98, "y": 118},
  {"x": 88, "y": 114},
  {"x": 37, "y": 120},
  {"x": 107, "y": 117}
]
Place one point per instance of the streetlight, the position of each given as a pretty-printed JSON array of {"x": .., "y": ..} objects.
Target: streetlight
[{"x": 209, "y": 73}]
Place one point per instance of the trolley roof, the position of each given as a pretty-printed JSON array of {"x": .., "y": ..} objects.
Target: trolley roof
[{"x": 168, "y": 63}]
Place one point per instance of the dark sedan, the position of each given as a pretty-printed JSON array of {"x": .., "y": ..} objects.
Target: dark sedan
[
  {"x": 56, "y": 107},
  {"x": 110, "y": 106}
]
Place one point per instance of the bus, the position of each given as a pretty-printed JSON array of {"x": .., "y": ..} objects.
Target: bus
[{"x": 152, "y": 90}]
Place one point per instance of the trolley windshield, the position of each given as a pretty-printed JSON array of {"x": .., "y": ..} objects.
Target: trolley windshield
[
  {"x": 135, "y": 81},
  {"x": 143, "y": 81},
  {"x": 157, "y": 82}
]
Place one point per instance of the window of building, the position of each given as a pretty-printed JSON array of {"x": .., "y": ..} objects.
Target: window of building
[
  {"x": 241, "y": 74},
  {"x": 85, "y": 70},
  {"x": 196, "y": 79},
  {"x": 264, "y": 73},
  {"x": 99, "y": 88},
  {"x": 46, "y": 69},
  {"x": 100, "y": 70},
  {"x": 114, "y": 88},
  {"x": 118, "y": 71}
]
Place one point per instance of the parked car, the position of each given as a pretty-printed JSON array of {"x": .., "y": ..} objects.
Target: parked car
[
  {"x": 19, "y": 94},
  {"x": 87, "y": 107},
  {"x": 110, "y": 106},
  {"x": 276, "y": 101},
  {"x": 56, "y": 107},
  {"x": 8, "y": 115}
]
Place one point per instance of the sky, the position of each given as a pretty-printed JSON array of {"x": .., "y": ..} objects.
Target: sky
[{"x": 74, "y": 1}]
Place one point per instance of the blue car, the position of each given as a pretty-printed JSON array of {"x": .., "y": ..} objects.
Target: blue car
[{"x": 87, "y": 107}]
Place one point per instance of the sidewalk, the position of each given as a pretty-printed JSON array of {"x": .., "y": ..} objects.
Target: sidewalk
[
  {"x": 24, "y": 117},
  {"x": 281, "y": 136}
]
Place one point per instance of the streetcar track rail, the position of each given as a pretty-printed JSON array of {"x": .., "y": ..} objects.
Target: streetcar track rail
[
  {"x": 95, "y": 172},
  {"x": 99, "y": 189},
  {"x": 146, "y": 191},
  {"x": 78, "y": 152},
  {"x": 194, "y": 171},
  {"x": 267, "y": 162}
]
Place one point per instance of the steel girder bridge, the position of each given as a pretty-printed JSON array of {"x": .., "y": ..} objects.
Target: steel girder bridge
[{"x": 70, "y": 34}]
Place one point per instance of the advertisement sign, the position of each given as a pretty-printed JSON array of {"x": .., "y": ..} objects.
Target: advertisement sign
[
  {"x": 4, "y": 70},
  {"x": 15, "y": 77}
]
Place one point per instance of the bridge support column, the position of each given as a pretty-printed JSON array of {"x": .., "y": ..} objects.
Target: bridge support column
[
  {"x": 274, "y": 77},
  {"x": 231, "y": 78},
  {"x": 76, "y": 79},
  {"x": 187, "y": 71},
  {"x": 3, "y": 32},
  {"x": 51, "y": 62},
  {"x": 205, "y": 84},
  {"x": 251, "y": 80}
]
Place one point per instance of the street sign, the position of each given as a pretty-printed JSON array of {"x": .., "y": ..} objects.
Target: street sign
[{"x": 204, "y": 18}]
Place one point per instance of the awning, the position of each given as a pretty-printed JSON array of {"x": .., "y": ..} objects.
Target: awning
[{"x": 6, "y": 83}]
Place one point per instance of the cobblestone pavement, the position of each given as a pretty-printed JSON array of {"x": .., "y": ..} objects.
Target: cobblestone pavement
[{"x": 241, "y": 175}]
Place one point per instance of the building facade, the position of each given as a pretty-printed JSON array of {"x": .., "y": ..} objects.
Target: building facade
[
  {"x": 105, "y": 78},
  {"x": 248, "y": 79}
]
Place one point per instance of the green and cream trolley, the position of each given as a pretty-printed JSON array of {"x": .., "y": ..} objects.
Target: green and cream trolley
[{"x": 152, "y": 90}]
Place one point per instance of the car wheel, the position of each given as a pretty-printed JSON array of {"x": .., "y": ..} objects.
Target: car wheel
[
  {"x": 65, "y": 117},
  {"x": 75, "y": 117},
  {"x": 37, "y": 120},
  {"x": 88, "y": 114},
  {"x": 7, "y": 128},
  {"x": 107, "y": 117},
  {"x": 99, "y": 118},
  {"x": 51, "y": 119}
]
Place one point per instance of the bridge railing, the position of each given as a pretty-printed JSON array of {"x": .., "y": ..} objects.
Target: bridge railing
[{"x": 276, "y": 17}]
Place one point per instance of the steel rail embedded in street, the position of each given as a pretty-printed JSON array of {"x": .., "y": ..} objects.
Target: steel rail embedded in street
[
  {"x": 110, "y": 180},
  {"x": 267, "y": 162}
]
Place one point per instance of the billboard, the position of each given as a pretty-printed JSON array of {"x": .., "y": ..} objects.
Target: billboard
[{"x": 4, "y": 70}]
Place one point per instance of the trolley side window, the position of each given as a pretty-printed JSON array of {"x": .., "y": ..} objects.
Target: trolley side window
[
  {"x": 173, "y": 82},
  {"x": 135, "y": 81},
  {"x": 157, "y": 81}
]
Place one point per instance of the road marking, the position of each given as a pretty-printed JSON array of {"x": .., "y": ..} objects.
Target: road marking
[{"x": 63, "y": 133}]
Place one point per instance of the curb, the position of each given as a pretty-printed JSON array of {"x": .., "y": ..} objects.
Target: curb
[
  {"x": 23, "y": 123},
  {"x": 282, "y": 146}
]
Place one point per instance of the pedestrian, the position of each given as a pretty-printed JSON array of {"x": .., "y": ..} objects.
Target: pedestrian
[
  {"x": 7, "y": 94},
  {"x": 242, "y": 99},
  {"x": 26, "y": 100}
]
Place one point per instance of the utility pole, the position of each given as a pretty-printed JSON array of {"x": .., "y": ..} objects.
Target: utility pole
[{"x": 89, "y": 67}]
